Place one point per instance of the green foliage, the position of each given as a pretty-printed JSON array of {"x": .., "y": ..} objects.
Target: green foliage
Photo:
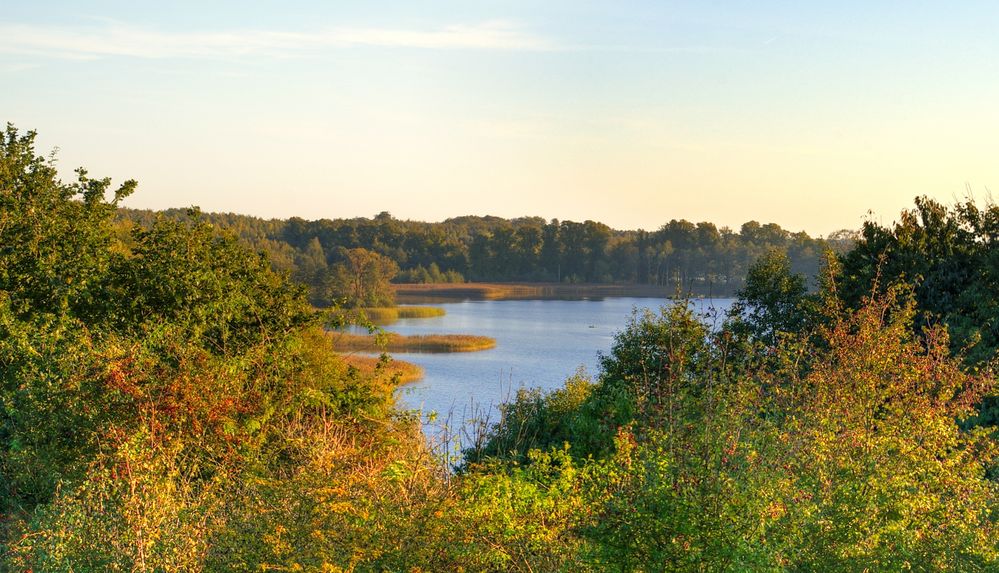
[
  {"x": 132, "y": 514},
  {"x": 513, "y": 517},
  {"x": 144, "y": 383},
  {"x": 949, "y": 258},
  {"x": 363, "y": 280},
  {"x": 882, "y": 475},
  {"x": 654, "y": 356},
  {"x": 186, "y": 273},
  {"x": 684, "y": 482},
  {"x": 433, "y": 274},
  {"x": 773, "y": 301},
  {"x": 54, "y": 238},
  {"x": 680, "y": 255},
  {"x": 949, "y": 255},
  {"x": 650, "y": 360},
  {"x": 534, "y": 421}
]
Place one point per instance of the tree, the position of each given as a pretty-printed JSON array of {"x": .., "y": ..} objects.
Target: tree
[
  {"x": 311, "y": 269},
  {"x": 363, "y": 279},
  {"x": 949, "y": 256},
  {"x": 773, "y": 300},
  {"x": 54, "y": 237},
  {"x": 55, "y": 256}
]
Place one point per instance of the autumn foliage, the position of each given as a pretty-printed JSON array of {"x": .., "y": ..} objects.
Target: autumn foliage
[{"x": 168, "y": 402}]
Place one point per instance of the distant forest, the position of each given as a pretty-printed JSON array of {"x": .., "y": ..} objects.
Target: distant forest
[{"x": 692, "y": 257}]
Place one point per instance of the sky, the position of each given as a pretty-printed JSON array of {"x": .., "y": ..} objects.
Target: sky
[{"x": 813, "y": 115}]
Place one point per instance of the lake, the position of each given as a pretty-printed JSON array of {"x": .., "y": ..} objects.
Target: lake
[{"x": 539, "y": 343}]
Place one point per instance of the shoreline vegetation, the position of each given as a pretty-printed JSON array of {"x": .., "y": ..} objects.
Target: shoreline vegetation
[
  {"x": 407, "y": 372},
  {"x": 390, "y": 314},
  {"x": 456, "y": 292},
  {"x": 423, "y": 344}
]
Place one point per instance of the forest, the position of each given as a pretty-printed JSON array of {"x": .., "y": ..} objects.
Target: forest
[
  {"x": 679, "y": 256},
  {"x": 170, "y": 399}
]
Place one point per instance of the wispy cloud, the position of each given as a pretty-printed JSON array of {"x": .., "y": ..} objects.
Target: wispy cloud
[
  {"x": 16, "y": 67},
  {"x": 118, "y": 39}
]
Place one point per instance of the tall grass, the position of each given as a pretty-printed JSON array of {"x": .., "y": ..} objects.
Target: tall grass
[
  {"x": 389, "y": 314},
  {"x": 429, "y": 343},
  {"x": 406, "y": 371}
]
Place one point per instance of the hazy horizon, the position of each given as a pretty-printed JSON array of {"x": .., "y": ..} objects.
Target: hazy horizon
[{"x": 809, "y": 117}]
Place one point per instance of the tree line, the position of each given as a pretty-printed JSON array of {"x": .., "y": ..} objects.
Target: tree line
[{"x": 680, "y": 255}]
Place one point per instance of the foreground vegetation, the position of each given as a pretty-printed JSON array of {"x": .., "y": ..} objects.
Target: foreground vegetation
[
  {"x": 170, "y": 403},
  {"x": 157, "y": 392}
]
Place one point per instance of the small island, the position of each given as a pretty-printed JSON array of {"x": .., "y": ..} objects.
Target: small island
[
  {"x": 390, "y": 314},
  {"x": 362, "y": 284},
  {"x": 427, "y": 343}
]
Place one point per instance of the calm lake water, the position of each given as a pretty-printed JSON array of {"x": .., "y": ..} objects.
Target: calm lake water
[{"x": 539, "y": 343}]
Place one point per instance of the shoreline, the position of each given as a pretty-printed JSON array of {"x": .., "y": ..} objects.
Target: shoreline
[{"x": 456, "y": 292}]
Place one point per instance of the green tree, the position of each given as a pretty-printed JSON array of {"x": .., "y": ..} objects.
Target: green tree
[
  {"x": 363, "y": 279},
  {"x": 774, "y": 300},
  {"x": 54, "y": 237},
  {"x": 949, "y": 256},
  {"x": 311, "y": 269}
]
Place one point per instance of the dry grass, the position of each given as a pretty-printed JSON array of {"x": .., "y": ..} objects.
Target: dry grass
[
  {"x": 429, "y": 343},
  {"x": 388, "y": 314},
  {"x": 367, "y": 365},
  {"x": 474, "y": 291},
  {"x": 429, "y": 293},
  {"x": 392, "y": 314}
]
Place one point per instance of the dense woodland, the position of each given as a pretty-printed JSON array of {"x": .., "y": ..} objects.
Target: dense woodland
[
  {"x": 679, "y": 256},
  {"x": 169, "y": 402}
]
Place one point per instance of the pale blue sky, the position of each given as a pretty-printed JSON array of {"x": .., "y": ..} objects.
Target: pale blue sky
[{"x": 631, "y": 113}]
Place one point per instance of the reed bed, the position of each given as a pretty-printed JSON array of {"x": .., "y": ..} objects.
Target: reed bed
[
  {"x": 424, "y": 343},
  {"x": 407, "y": 371},
  {"x": 389, "y": 314},
  {"x": 393, "y": 313}
]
